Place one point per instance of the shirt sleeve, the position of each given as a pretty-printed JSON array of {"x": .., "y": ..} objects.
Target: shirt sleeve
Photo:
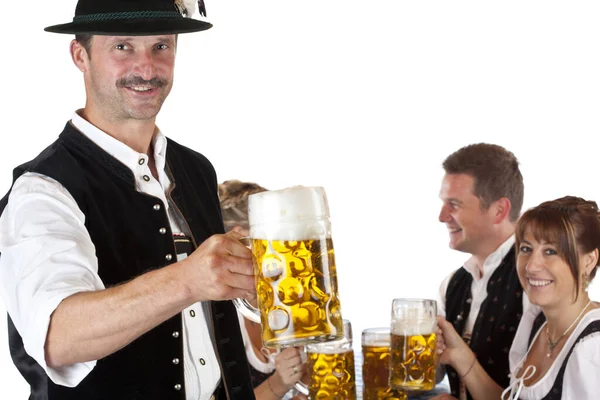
[
  {"x": 581, "y": 375},
  {"x": 441, "y": 300},
  {"x": 47, "y": 255}
]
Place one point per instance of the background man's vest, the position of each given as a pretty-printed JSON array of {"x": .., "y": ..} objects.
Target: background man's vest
[{"x": 496, "y": 323}]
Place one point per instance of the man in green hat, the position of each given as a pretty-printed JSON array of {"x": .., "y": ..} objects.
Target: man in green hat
[{"x": 114, "y": 267}]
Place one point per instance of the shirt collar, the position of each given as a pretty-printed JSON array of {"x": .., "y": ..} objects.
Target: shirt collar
[
  {"x": 492, "y": 261},
  {"x": 120, "y": 150}
]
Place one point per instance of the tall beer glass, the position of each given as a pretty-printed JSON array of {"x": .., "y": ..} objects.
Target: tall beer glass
[
  {"x": 376, "y": 365},
  {"x": 294, "y": 265},
  {"x": 331, "y": 369},
  {"x": 413, "y": 344}
]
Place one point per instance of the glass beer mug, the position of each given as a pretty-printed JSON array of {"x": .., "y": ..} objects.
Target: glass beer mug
[
  {"x": 376, "y": 366},
  {"x": 331, "y": 369},
  {"x": 294, "y": 265},
  {"x": 413, "y": 344}
]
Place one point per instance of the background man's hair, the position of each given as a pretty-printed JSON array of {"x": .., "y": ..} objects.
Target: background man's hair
[{"x": 495, "y": 171}]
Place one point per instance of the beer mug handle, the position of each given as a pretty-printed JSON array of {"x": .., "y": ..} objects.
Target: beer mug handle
[
  {"x": 247, "y": 310},
  {"x": 301, "y": 387}
]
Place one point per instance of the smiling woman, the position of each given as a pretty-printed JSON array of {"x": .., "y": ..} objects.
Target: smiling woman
[
  {"x": 556, "y": 349},
  {"x": 558, "y": 245}
]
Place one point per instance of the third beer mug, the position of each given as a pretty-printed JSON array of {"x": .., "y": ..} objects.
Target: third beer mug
[
  {"x": 413, "y": 344},
  {"x": 331, "y": 369},
  {"x": 294, "y": 263},
  {"x": 376, "y": 366}
]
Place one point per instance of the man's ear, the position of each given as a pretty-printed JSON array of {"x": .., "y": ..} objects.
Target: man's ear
[
  {"x": 79, "y": 55},
  {"x": 500, "y": 209}
]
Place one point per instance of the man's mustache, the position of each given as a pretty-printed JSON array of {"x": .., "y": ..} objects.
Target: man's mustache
[{"x": 155, "y": 82}]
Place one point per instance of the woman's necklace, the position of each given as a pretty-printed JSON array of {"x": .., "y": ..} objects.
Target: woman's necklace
[{"x": 551, "y": 344}]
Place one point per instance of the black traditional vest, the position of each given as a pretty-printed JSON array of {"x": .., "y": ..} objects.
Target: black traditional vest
[
  {"x": 496, "y": 323},
  {"x": 125, "y": 226},
  {"x": 555, "y": 392}
]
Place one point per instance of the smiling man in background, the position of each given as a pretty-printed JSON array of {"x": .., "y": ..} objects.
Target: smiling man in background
[{"x": 482, "y": 195}]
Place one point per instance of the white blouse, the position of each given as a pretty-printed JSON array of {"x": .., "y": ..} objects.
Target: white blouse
[
  {"x": 255, "y": 362},
  {"x": 581, "y": 380}
]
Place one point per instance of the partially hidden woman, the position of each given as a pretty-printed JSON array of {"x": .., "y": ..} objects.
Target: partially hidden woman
[
  {"x": 556, "y": 350},
  {"x": 273, "y": 374}
]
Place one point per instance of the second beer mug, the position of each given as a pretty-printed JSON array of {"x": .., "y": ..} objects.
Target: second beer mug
[
  {"x": 413, "y": 344},
  {"x": 294, "y": 263}
]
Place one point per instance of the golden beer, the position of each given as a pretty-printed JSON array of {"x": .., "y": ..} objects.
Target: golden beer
[
  {"x": 376, "y": 366},
  {"x": 413, "y": 361},
  {"x": 297, "y": 291},
  {"x": 376, "y": 371},
  {"x": 332, "y": 376}
]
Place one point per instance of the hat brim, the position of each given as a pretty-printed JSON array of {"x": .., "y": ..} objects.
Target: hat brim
[{"x": 132, "y": 27}]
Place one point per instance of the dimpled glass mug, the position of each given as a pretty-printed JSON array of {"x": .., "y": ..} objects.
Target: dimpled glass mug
[
  {"x": 294, "y": 265},
  {"x": 413, "y": 344},
  {"x": 331, "y": 369}
]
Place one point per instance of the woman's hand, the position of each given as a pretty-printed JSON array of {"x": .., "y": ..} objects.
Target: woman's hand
[{"x": 288, "y": 370}]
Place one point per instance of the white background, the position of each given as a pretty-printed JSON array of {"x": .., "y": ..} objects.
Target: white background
[{"x": 365, "y": 98}]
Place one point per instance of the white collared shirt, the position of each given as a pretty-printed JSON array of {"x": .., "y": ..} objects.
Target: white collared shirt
[
  {"x": 479, "y": 285},
  {"x": 48, "y": 255}
]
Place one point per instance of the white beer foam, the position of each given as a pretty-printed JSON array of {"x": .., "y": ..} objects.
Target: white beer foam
[
  {"x": 335, "y": 347},
  {"x": 413, "y": 327},
  {"x": 378, "y": 343},
  {"x": 294, "y": 213}
]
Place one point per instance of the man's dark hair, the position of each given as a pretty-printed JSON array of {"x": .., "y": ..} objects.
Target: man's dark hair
[
  {"x": 85, "y": 40},
  {"x": 495, "y": 171}
]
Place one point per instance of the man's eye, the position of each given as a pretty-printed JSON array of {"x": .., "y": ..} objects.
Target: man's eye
[
  {"x": 121, "y": 47},
  {"x": 162, "y": 46}
]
